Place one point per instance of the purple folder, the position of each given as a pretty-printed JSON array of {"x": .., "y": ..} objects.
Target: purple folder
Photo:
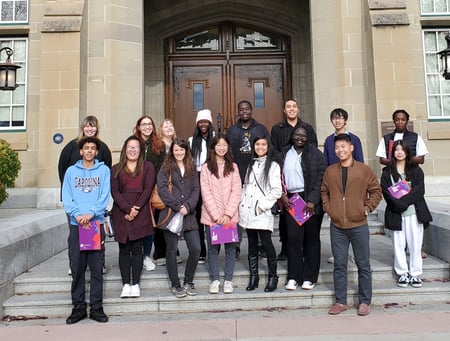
[
  {"x": 399, "y": 189},
  {"x": 90, "y": 238},
  {"x": 297, "y": 209},
  {"x": 223, "y": 234}
]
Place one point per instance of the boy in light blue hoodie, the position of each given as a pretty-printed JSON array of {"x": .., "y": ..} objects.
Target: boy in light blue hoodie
[{"x": 85, "y": 195}]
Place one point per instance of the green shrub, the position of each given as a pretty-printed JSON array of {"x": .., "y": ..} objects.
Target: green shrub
[{"x": 9, "y": 168}]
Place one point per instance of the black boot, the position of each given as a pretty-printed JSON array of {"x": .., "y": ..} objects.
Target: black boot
[
  {"x": 273, "y": 277},
  {"x": 254, "y": 276}
]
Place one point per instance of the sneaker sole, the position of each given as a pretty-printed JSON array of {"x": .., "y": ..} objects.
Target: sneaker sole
[
  {"x": 402, "y": 285},
  {"x": 416, "y": 285}
]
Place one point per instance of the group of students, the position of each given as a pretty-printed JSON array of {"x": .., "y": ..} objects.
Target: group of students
[{"x": 236, "y": 178}]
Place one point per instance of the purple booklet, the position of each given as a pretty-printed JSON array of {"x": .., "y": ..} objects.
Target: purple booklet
[
  {"x": 89, "y": 235},
  {"x": 297, "y": 209},
  {"x": 399, "y": 189},
  {"x": 223, "y": 234}
]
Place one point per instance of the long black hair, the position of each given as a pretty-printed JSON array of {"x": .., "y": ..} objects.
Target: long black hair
[
  {"x": 409, "y": 164},
  {"x": 197, "y": 139},
  {"x": 271, "y": 157}
]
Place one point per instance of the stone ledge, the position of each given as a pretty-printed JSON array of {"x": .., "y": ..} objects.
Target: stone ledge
[
  {"x": 386, "y": 4},
  {"x": 29, "y": 238},
  {"x": 389, "y": 19}
]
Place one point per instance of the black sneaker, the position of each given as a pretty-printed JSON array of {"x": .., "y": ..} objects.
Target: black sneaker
[
  {"x": 189, "y": 288},
  {"x": 98, "y": 315},
  {"x": 416, "y": 282},
  {"x": 403, "y": 281},
  {"x": 76, "y": 316},
  {"x": 179, "y": 291}
]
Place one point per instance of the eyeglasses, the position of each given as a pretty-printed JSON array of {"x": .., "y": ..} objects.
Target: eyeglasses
[
  {"x": 132, "y": 148},
  {"x": 146, "y": 125}
]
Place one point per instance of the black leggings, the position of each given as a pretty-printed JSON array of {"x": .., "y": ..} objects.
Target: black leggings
[
  {"x": 131, "y": 260},
  {"x": 266, "y": 240}
]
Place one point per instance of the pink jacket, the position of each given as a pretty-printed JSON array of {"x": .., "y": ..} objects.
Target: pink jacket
[{"x": 220, "y": 195}]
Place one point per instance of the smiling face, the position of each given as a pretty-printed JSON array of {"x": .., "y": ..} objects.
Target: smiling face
[
  {"x": 299, "y": 138},
  {"x": 89, "y": 151},
  {"x": 146, "y": 127},
  {"x": 221, "y": 148},
  {"x": 338, "y": 122},
  {"x": 343, "y": 150},
  {"x": 261, "y": 147},
  {"x": 291, "y": 109},
  {"x": 399, "y": 153},
  {"x": 203, "y": 126},
  {"x": 244, "y": 112},
  {"x": 178, "y": 153},
  {"x": 89, "y": 131},
  {"x": 133, "y": 150}
]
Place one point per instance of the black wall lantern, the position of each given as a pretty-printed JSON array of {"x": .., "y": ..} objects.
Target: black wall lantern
[
  {"x": 444, "y": 56},
  {"x": 8, "y": 71}
]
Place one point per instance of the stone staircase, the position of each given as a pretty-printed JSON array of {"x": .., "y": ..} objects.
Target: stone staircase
[{"x": 44, "y": 290}]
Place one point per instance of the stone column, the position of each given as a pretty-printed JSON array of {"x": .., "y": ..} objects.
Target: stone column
[{"x": 92, "y": 64}]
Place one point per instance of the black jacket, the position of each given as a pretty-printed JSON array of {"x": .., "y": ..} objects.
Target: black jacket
[
  {"x": 241, "y": 141},
  {"x": 394, "y": 207},
  {"x": 313, "y": 166},
  {"x": 282, "y": 131}
]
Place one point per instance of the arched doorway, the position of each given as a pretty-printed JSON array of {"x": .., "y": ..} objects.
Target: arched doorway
[{"x": 215, "y": 67}]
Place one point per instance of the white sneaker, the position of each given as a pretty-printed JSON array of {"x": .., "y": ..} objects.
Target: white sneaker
[
  {"x": 228, "y": 287},
  {"x": 308, "y": 285},
  {"x": 330, "y": 260},
  {"x": 291, "y": 285},
  {"x": 148, "y": 264},
  {"x": 214, "y": 287},
  {"x": 135, "y": 291},
  {"x": 126, "y": 291},
  {"x": 69, "y": 272}
]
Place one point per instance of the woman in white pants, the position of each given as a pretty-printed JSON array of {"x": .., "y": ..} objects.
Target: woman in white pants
[{"x": 406, "y": 216}]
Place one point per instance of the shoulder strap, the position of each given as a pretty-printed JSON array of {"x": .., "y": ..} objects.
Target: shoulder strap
[{"x": 258, "y": 184}]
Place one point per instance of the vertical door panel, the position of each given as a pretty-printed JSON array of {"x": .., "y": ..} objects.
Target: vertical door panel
[
  {"x": 262, "y": 85},
  {"x": 195, "y": 88}
]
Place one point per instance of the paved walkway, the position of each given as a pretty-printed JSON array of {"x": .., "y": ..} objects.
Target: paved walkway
[{"x": 401, "y": 323}]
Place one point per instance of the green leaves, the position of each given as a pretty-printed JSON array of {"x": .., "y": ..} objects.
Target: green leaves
[{"x": 9, "y": 168}]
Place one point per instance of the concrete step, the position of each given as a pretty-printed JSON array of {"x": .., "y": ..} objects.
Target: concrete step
[
  {"x": 44, "y": 290},
  {"x": 161, "y": 300}
]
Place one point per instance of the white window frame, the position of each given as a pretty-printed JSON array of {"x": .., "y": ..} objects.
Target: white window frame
[
  {"x": 434, "y": 12},
  {"x": 443, "y": 93},
  {"x": 14, "y": 3},
  {"x": 10, "y": 101}
]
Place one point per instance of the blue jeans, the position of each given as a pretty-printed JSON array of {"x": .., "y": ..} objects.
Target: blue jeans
[
  {"x": 358, "y": 237},
  {"x": 213, "y": 258},
  {"x": 193, "y": 243}
]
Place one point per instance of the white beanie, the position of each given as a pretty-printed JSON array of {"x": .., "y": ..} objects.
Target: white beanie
[{"x": 204, "y": 114}]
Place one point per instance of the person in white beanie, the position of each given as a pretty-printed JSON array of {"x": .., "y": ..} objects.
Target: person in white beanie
[{"x": 199, "y": 143}]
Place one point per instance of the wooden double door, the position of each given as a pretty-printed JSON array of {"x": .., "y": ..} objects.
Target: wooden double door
[{"x": 219, "y": 81}]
